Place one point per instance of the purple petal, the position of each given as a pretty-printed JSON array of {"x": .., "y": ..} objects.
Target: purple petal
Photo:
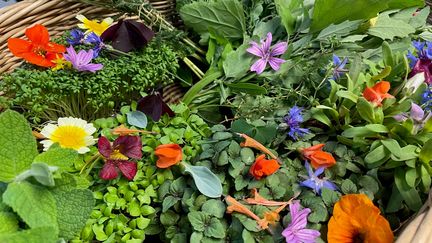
[
  {"x": 91, "y": 67},
  {"x": 108, "y": 171},
  {"x": 344, "y": 62},
  {"x": 294, "y": 208},
  {"x": 275, "y": 62},
  {"x": 319, "y": 171},
  {"x": 417, "y": 112},
  {"x": 259, "y": 66},
  {"x": 309, "y": 169},
  {"x": 128, "y": 169},
  {"x": 104, "y": 147},
  {"x": 336, "y": 60},
  {"x": 400, "y": 117},
  {"x": 329, "y": 185},
  {"x": 267, "y": 43},
  {"x": 307, "y": 235},
  {"x": 130, "y": 146},
  {"x": 255, "y": 49},
  {"x": 279, "y": 49},
  {"x": 300, "y": 221}
]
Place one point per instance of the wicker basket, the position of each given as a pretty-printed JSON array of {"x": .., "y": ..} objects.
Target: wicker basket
[{"x": 58, "y": 16}]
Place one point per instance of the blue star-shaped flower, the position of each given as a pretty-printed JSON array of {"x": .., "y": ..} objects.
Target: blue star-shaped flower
[
  {"x": 315, "y": 182},
  {"x": 339, "y": 66}
]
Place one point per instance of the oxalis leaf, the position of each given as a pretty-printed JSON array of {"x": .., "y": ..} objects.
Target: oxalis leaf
[
  {"x": 137, "y": 118},
  {"x": 205, "y": 180},
  {"x": 34, "y": 204},
  {"x": 18, "y": 146}
]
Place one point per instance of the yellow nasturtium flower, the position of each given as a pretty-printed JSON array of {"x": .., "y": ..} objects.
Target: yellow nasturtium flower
[{"x": 94, "y": 25}]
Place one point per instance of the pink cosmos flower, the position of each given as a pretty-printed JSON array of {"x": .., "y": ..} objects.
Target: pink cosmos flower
[{"x": 267, "y": 54}]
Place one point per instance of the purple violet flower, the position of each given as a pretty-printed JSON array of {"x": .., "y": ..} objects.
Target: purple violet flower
[
  {"x": 76, "y": 37},
  {"x": 94, "y": 39},
  {"x": 296, "y": 231},
  {"x": 81, "y": 60},
  {"x": 315, "y": 182},
  {"x": 418, "y": 116},
  {"x": 293, "y": 119},
  {"x": 267, "y": 54},
  {"x": 339, "y": 66}
]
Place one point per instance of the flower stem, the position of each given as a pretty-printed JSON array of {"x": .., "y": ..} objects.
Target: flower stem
[{"x": 92, "y": 160}]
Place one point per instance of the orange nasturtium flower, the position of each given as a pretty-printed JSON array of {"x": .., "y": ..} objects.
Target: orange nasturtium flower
[
  {"x": 168, "y": 154},
  {"x": 263, "y": 167},
  {"x": 317, "y": 157},
  {"x": 377, "y": 93},
  {"x": 38, "y": 49},
  {"x": 235, "y": 206},
  {"x": 260, "y": 200},
  {"x": 356, "y": 219},
  {"x": 252, "y": 143},
  {"x": 272, "y": 217}
]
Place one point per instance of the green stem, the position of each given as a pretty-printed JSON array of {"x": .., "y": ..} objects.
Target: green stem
[
  {"x": 194, "y": 90},
  {"x": 93, "y": 159}
]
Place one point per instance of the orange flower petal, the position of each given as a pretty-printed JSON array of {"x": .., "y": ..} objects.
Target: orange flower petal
[
  {"x": 263, "y": 167},
  {"x": 321, "y": 158},
  {"x": 237, "y": 207},
  {"x": 37, "y": 59},
  {"x": 307, "y": 152},
  {"x": 371, "y": 95},
  {"x": 18, "y": 47},
  {"x": 38, "y": 34},
  {"x": 382, "y": 87},
  {"x": 123, "y": 131},
  {"x": 259, "y": 200},
  {"x": 252, "y": 143},
  {"x": 169, "y": 155},
  {"x": 55, "y": 48}
]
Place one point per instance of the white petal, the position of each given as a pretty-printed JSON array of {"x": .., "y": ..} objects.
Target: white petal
[
  {"x": 83, "y": 150},
  {"x": 71, "y": 121},
  {"x": 48, "y": 130},
  {"x": 81, "y": 17},
  {"x": 108, "y": 21},
  {"x": 46, "y": 143},
  {"x": 90, "y": 129},
  {"x": 89, "y": 140}
]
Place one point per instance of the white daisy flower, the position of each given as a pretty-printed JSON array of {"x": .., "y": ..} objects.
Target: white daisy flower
[{"x": 71, "y": 133}]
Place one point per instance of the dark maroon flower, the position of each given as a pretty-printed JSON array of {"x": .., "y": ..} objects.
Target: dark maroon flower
[
  {"x": 423, "y": 65},
  {"x": 118, "y": 154},
  {"x": 154, "y": 106},
  {"x": 127, "y": 35}
]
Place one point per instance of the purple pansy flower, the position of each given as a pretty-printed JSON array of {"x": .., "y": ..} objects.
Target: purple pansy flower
[
  {"x": 77, "y": 37},
  {"x": 418, "y": 116},
  {"x": 293, "y": 119},
  {"x": 315, "y": 182},
  {"x": 267, "y": 54},
  {"x": 81, "y": 60},
  {"x": 339, "y": 66},
  {"x": 94, "y": 39},
  {"x": 296, "y": 231}
]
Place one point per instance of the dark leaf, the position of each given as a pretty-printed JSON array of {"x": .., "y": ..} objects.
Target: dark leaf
[{"x": 153, "y": 106}]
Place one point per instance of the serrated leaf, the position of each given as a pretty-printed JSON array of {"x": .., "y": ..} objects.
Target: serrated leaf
[
  {"x": 388, "y": 28},
  {"x": 348, "y": 187},
  {"x": 57, "y": 156},
  {"x": 215, "y": 229},
  {"x": 329, "y": 197},
  {"x": 205, "y": 180},
  {"x": 39, "y": 214},
  {"x": 168, "y": 202},
  {"x": 36, "y": 235},
  {"x": 8, "y": 223},
  {"x": 73, "y": 210},
  {"x": 137, "y": 118},
  {"x": 214, "y": 207},
  {"x": 17, "y": 145},
  {"x": 198, "y": 220}
]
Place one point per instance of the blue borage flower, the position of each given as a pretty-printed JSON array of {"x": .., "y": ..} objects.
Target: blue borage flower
[
  {"x": 315, "y": 182},
  {"x": 339, "y": 66},
  {"x": 294, "y": 119},
  {"x": 78, "y": 37}
]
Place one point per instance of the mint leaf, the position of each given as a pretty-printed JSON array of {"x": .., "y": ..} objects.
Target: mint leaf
[
  {"x": 215, "y": 229},
  {"x": 17, "y": 145},
  {"x": 198, "y": 220},
  {"x": 34, "y": 204},
  {"x": 36, "y": 235},
  {"x": 214, "y": 207},
  {"x": 73, "y": 209},
  {"x": 57, "y": 156},
  {"x": 8, "y": 222}
]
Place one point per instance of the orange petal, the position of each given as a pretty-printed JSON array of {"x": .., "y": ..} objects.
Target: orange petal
[
  {"x": 165, "y": 162},
  {"x": 37, "y": 59},
  {"x": 371, "y": 95},
  {"x": 53, "y": 47},
  {"x": 38, "y": 34},
  {"x": 252, "y": 143},
  {"x": 38, "y": 135},
  {"x": 237, "y": 207},
  {"x": 18, "y": 47},
  {"x": 307, "y": 152},
  {"x": 259, "y": 200},
  {"x": 382, "y": 87},
  {"x": 270, "y": 166},
  {"x": 263, "y": 167},
  {"x": 123, "y": 131},
  {"x": 169, "y": 154},
  {"x": 321, "y": 158}
]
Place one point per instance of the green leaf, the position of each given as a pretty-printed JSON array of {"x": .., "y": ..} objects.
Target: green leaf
[
  {"x": 247, "y": 237},
  {"x": 383, "y": 74},
  {"x": 8, "y": 223},
  {"x": 57, "y": 156},
  {"x": 376, "y": 155},
  {"x": 388, "y": 28},
  {"x": 42, "y": 173},
  {"x": 348, "y": 95},
  {"x": 214, "y": 207},
  {"x": 196, "y": 88},
  {"x": 285, "y": 9},
  {"x": 357, "y": 132},
  {"x": 393, "y": 146},
  {"x": 377, "y": 128},
  {"x": 387, "y": 54},
  {"x": 36, "y": 235},
  {"x": 222, "y": 135},
  {"x": 329, "y": 197},
  {"x": 411, "y": 177},
  {"x": 409, "y": 194},
  {"x": 18, "y": 146},
  {"x": 215, "y": 229},
  {"x": 73, "y": 210},
  {"x": 238, "y": 62},
  {"x": 365, "y": 110},
  {"x": 168, "y": 202},
  {"x": 225, "y": 16},
  {"x": 348, "y": 187},
  {"x": 205, "y": 180},
  {"x": 137, "y": 118},
  {"x": 198, "y": 220},
  {"x": 341, "y": 29},
  {"x": 426, "y": 152},
  {"x": 425, "y": 179},
  {"x": 369, "y": 183},
  {"x": 319, "y": 115},
  {"x": 247, "y": 156},
  {"x": 248, "y": 88},
  {"x": 42, "y": 212}
]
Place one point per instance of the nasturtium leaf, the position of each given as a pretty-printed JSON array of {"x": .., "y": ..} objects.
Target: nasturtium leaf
[
  {"x": 35, "y": 235},
  {"x": 214, "y": 207},
  {"x": 409, "y": 194},
  {"x": 42, "y": 212},
  {"x": 205, "y": 180},
  {"x": 73, "y": 210},
  {"x": 225, "y": 16},
  {"x": 137, "y": 118},
  {"x": 17, "y": 145},
  {"x": 8, "y": 223},
  {"x": 57, "y": 156}
]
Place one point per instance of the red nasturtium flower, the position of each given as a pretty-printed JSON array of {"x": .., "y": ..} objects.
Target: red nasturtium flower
[
  {"x": 38, "y": 49},
  {"x": 377, "y": 93},
  {"x": 263, "y": 167},
  {"x": 168, "y": 154},
  {"x": 117, "y": 156},
  {"x": 317, "y": 157}
]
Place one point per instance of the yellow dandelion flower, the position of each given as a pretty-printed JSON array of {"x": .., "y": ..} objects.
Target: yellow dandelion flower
[
  {"x": 71, "y": 133},
  {"x": 94, "y": 25}
]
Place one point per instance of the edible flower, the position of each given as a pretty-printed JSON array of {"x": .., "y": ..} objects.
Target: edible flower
[
  {"x": 267, "y": 54},
  {"x": 418, "y": 116},
  {"x": 422, "y": 61},
  {"x": 317, "y": 157},
  {"x": 315, "y": 182},
  {"x": 252, "y": 143},
  {"x": 294, "y": 119},
  {"x": 123, "y": 131},
  {"x": 356, "y": 219},
  {"x": 38, "y": 49},
  {"x": 235, "y": 206},
  {"x": 413, "y": 84},
  {"x": 77, "y": 37},
  {"x": 260, "y": 200},
  {"x": 117, "y": 156},
  {"x": 168, "y": 155},
  {"x": 60, "y": 63},
  {"x": 377, "y": 93},
  {"x": 69, "y": 132},
  {"x": 272, "y": 217},
  {"x": 296, "y": 231},
  {"x": 94, "y": 25},
  {"x": 97, "y": 43},
  {"x": 81, "y": 60},
  {"x": 263, "y": 167},
  {"x": 154, "y": 106},
  {"x": 339, "y": 66}
]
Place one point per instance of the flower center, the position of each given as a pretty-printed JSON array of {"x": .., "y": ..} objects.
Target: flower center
[
  {"x": 69, "y": 137},
  {"x": 358, "y": 238},
  {"x": 117, "y": 155},
  {"x": 38, "y": 50}
]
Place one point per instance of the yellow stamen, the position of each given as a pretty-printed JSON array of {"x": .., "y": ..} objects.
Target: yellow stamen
[{"x": 116, "y": 155}]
